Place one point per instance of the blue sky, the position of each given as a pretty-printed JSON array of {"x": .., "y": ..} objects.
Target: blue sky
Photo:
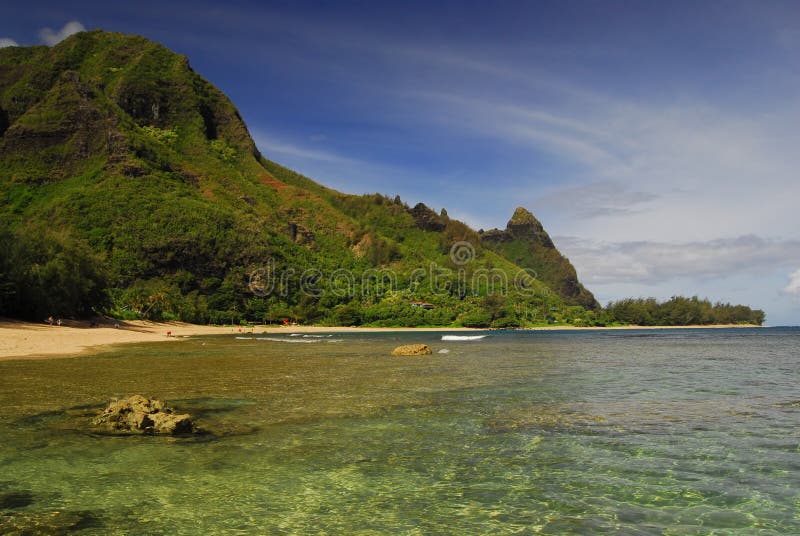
[{"x": 656, "y": 141}]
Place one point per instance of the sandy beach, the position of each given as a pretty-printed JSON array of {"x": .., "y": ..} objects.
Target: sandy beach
[
  {"x": 39, "y": 341},
  {"x": 25, "y": 340}
]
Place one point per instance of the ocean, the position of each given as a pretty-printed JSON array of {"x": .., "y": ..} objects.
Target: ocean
[{"x": 520, "y": 432}]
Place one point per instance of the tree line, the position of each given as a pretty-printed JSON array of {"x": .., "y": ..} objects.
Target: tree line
[
  {"x": 46, "y": 272},
  {"x": 680, "y": 311}
]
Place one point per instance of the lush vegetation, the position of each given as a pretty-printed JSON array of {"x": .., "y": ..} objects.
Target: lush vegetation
[
  {"x": 680, "y": 311},
  {"x": 130, "y": 186}
]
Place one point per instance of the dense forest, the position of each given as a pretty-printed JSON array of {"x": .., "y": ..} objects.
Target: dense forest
[{"x": 131, "y": 187}]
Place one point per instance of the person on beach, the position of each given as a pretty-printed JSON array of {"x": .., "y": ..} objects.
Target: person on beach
[{"x": 50, "y": 320}]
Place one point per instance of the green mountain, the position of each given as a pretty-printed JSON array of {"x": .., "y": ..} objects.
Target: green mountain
[
  {"x": 525, "y": 242},
  {"x": 130, "y": 185}
]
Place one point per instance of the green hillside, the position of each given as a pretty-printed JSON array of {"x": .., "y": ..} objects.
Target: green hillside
[
  {"x": 130, "y": 186},
  {"x": 525, "y": 242}
]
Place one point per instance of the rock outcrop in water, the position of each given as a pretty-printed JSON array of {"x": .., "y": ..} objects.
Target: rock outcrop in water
[
  {"x": 139, "y": 415},
  {"x": 412, "y": 349}
]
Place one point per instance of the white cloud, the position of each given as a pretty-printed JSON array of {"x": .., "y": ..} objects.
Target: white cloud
[
  {"x": 794, "y": 284},
  {"x": 654, "y": 262},
  {"x": 6, "y": 42},
  {"x": 52, "y": 37}
]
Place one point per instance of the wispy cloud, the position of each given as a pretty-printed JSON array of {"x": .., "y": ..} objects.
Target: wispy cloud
[
  {"x": 7, "y": 42},
  {"x": 596, "y": 199},
  {"x": 52, "y": 37},
  {"x": 272, "y": 146},
  {"x": 669, "y": 168},
  {"x": 478, "y": 61},
  {"x": 522, "y": 124}
]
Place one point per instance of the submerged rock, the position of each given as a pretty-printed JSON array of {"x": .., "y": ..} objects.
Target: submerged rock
[
  {"x": 139, "y": 415},
  {"x": 15, "y": 499},
  {"x": 412, "y": 349}
]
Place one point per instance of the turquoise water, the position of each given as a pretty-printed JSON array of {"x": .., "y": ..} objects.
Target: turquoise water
[{"x": 630, "y": 432}]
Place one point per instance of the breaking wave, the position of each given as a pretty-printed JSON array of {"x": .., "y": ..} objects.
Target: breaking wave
[{"x": 462, "y": 337}]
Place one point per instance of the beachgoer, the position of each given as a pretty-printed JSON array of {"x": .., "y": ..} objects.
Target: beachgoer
[
  {"x": 169, "y": 334},
  {"x": 50, "y": 320}
]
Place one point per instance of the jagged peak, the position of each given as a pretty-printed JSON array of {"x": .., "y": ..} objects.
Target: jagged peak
[
  {"x": 522, "y": 216},
  {"x": 523, "y": 220},
  {"x": 524, "y": 224}
]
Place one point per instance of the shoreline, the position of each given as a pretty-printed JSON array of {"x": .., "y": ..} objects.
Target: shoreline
[{"x": 27, "y": 340}]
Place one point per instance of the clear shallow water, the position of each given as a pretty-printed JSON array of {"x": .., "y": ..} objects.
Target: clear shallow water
[{"x": 634, "y": 432}]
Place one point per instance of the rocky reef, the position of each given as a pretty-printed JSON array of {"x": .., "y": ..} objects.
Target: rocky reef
[
  {"x": 139, "y": 415},
  {"x": 412, "y": 349}
]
